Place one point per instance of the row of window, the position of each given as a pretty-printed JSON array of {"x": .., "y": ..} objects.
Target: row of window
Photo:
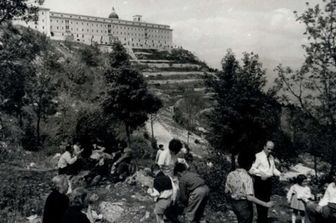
[
  {"x": 113, "y": 26},
  {"x": 110, "y": 32},
  {"x": 108, "y": 20}
]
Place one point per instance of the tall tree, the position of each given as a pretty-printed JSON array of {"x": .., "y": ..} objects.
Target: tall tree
[
  {"x": 42, "y": 91},
  {"x": 244, "y": 116},
  {"x": 128, "y": 98},
  {"x": 312, "y": 88}
]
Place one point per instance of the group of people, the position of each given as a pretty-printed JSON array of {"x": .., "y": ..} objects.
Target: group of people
[
  {"x": 115, "y": 166},
  {"x": 59, "y": 208},
  {"x": 175, "y": 185},
  {"x": 251, "y": 183}
]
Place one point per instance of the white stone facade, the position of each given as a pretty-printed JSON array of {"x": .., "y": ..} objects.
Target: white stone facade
[{"x": 102, "y": 31}]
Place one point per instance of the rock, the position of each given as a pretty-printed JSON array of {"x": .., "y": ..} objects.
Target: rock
[
  {"x": 142, "y": 179},
  {"x": 34, "y": 219},
  {"x": 111, "y": 212},
  {"x": 145, "y": 217}
]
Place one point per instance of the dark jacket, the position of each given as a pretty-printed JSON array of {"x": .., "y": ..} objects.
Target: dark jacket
[
  {"x": 162, "y": 182},
  {"x": 55, "y": 207},
  {"x": 74, "y": 215}
]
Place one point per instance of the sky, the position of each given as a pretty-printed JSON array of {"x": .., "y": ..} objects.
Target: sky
[{"x": 209, "y": 28}]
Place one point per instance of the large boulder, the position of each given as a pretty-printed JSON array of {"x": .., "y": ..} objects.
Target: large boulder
[{"x": 111, "y": 211}]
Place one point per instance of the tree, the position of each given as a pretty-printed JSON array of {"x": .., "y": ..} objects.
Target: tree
[
  {"x": 312, "y": 88},
  {"x": 42, "y": 91},
  {"x": 243, "y": 115},
  {"x": 23, "y": 9},
  {"x": 18, "y": 51},
  {"x": 128, "y": 98}
]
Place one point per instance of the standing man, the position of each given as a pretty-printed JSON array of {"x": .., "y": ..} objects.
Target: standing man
[
  {"x": 194, "y": 193},
  {"x": 263, "y": 169}
]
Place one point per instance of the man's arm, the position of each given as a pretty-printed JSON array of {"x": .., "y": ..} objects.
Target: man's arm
[
  {"x": 260, "y": 202},
  {"x": 254, "y": 170}
]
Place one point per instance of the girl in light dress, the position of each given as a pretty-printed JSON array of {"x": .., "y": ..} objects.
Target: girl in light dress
[{"x": 298, "y": 194}]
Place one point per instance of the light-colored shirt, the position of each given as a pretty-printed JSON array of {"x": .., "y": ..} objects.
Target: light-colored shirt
[
  {"x": 157, "y": 156},
  {"x": 167, "y": 162},
  {"x": 329, "y": 195},
  {"x": 302, "y": 192},
  {"x": 264, "y": 166},
  {"x": 66, "y": 160},
  {"x": 239, "y": 184}
]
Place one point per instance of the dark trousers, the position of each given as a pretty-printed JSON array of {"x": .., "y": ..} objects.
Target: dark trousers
[
  {"x": 327, "y": 215},
  {"x": 243, "y": 209},
  {"x": 197, "y": 201},
  {"x": 262, "y": 191}
]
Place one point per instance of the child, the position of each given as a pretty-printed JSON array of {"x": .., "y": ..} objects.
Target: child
[
  {"x": 162, "y": 192},
  {"x": 240, "y": 191},
  {"x": 297, "y": 196}
]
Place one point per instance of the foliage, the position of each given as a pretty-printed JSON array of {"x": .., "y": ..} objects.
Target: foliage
[
  {"x": 128, "y": 98},
  {"x": 23, "y": 9},
  {"x": 244, "y": 116},
  {"x": 312, "y": 88},
  {"x": 94, "y": 128}
]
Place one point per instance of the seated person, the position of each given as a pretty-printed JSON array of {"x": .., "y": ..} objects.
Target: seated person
[
  {"x": 57, "y": 202},
  {"x": 100, "y": 170},
  {"x": 325, "y": 210},
  {"x": 162, "y": 192},
  {"x": 67, "y": 164},
  {"x": 124, "y": 166}
]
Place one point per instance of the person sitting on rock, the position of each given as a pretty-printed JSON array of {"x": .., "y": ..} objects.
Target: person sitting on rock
[
  {"x": 325, "y": 210},
  {"x": 57, "y": 202},
  {"x": 124, "y": 166},
  {"x": 67, "y": 162},
  {"x": 162, "y": 192}
]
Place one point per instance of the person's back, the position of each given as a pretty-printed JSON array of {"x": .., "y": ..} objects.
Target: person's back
[
  {"x": 74, "y": 215},
  {"x": 57, "y": 202},
  {"x": 78, "y": 201}
]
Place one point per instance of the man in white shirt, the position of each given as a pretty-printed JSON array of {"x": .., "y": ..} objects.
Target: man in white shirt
[
  {"x": 325, "y": 210},
  {"x": 263, "y": 169}
]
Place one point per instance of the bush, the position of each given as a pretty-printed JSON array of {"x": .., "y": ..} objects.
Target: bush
[{"x": 215, "y": 178}]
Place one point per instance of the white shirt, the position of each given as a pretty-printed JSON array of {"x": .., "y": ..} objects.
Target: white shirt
[
  {"x": 65, "y": 160},
  {"x": 167, "y": 162},
  {"x": 264, "y": 167},
  {"x": 302, "y": 192},
  {"x": 329, "y": 195}
]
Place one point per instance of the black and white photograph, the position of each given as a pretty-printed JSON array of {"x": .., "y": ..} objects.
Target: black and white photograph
[{"x": 156, "y": 111}]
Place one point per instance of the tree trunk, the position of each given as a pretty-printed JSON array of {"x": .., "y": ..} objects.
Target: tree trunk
[
  {"x": 38, "y": 127},
  {"x": 152, "y": 125},
  {"x": 233, "y": 161},
  {"x": 128, "y": 134},
  {"x": 315, "y": 165}
]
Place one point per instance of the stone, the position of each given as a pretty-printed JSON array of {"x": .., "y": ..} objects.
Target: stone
[{"x": 111, "y": 212}]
